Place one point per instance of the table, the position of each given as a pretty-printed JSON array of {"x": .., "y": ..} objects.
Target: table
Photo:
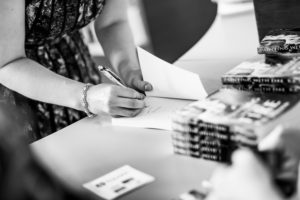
[{"x": 92, "y": 147}]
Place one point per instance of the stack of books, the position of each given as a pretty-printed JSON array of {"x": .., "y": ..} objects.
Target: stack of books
[
  {"x": 285, "y": 42},
  {"x": 228, "y": 119},
  {"x": 253, "y": 95},
  {"x": 259, "y": 76},
  {"x": 277, "y": 72}
]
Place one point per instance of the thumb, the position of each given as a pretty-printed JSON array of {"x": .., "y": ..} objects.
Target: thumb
[{"x": 141, "y": 85}]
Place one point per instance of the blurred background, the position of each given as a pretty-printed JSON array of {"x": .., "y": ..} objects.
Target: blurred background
[{"x": 166, "y": 28}]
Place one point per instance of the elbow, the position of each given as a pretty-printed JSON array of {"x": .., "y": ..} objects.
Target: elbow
[
  {"x": 101, "y": 27},
  {"x": 7, "y": 62}
]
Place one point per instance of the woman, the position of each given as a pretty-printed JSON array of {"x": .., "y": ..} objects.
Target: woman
[{"x": 43, "y": 58}]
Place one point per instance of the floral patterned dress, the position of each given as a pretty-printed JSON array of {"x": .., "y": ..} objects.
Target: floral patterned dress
[{"x": 53, "y": 40}]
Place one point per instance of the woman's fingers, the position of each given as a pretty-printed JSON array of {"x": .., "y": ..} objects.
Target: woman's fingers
[
  {"x": 123, "y": 107},
  {"x": 129, "y": 93},
  {"x": 142, "y": 85},
  {"x": 129, "y": 103},
  {"x": 115, "y": 100},
  {"x": 124, "y": 112}
]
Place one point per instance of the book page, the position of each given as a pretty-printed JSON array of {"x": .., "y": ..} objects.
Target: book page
[
  {"x": 158, "y": 114},
  {"x": 168, "y": 80}
]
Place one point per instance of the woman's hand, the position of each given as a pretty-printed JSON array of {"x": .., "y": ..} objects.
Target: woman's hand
[
  {"x": 115, "y": 100},
  {"x": 246, "y": 179},
  {"x": 134, "y": 79}
]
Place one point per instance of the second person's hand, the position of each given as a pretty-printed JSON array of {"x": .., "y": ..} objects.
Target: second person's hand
[
  {"x": 246, "y": 179},
  {"x": 115, "y": 100}
]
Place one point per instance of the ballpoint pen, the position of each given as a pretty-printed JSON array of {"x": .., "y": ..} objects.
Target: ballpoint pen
[{"x": 110, "y": 75}]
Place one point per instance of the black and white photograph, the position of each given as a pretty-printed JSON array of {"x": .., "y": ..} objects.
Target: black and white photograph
[{"x": 149, "y": 99}]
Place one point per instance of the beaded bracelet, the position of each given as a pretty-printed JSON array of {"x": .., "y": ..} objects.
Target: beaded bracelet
[{"x": 84, "y": 102}]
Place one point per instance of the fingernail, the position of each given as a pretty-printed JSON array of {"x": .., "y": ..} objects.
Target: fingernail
[
  {"x": 142, "y": 96},
  {"x": 148, "y": 87},
  {"x": 145, "y": 105}
]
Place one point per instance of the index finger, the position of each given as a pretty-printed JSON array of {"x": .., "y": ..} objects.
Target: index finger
[{"x": 129, "y": 93}]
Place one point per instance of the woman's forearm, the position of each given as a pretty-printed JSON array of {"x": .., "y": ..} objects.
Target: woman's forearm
[
  {"x": 118, "y": 45},
  {"x": 36, "y": 82},
  {"x": 114, "y": 34}
]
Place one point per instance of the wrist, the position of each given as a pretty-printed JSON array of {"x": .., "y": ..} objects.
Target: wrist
[
  {"x": 75, "y": 91},
  {"x": 84, "y": 100}
]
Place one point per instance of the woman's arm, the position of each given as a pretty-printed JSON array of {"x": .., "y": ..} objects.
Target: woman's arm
[
  {"x": 34, "y": 81},
  {"x": 115, "y": 36},
  {"x": 24, "y": 75}
]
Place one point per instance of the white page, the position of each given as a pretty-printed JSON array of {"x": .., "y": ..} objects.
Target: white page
[
  {"x": 158, "y": 114},
  {"x": 173, "y": 88},
  {"x": 168, "y": 80},
  {"x": 234, "y": 8}
]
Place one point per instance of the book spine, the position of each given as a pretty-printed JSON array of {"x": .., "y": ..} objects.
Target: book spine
[
  {"x": 207, "y": 140},
  {"x": 185, "y": 128},
  {"x": 186, "y": 145},
  {"x": 214, "y": 131},
  {"x": 267, "y": 50},
  {"x": 239, "y": 80},
  {"x": 226, "y": 79},
  {"x": 187, "y": 152},
  {"x": 292, "y": 48},
  {"x": 186, "y": 137},
  {"x": 294, "y": 81},
  {"x": 215, "y": 158},
  {"x": 201, "y": 138},
  {"x": 215, "y": 141},
  {"x": 265, "y": 88}
]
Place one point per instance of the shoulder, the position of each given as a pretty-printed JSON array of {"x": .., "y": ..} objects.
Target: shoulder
[{"x": 13, "y": 14}]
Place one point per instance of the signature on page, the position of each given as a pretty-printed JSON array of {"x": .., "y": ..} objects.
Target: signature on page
[{"x": 152, "y": 109}]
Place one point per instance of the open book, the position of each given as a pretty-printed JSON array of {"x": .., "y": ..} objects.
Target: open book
[{"x": 173, "y": 88}]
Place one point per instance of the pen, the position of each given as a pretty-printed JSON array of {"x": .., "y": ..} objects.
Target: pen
[{"x": 110, "y": 75}]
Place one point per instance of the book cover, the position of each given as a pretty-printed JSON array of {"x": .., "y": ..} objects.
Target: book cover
[
  {"x": 256, "y": 75},
  {"x": 281, "y": 41}
]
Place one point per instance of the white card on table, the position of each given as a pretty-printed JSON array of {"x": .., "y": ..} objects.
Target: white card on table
[{"x": 118, "y": 182}]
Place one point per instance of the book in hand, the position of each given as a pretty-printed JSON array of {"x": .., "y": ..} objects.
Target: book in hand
[
  {"x": 228, "y": 119},
  {"x": 281, "y": 42},
  {"x": 258, "y": 76}
]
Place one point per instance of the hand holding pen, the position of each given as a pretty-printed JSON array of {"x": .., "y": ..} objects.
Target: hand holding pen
[
  {"x": 116, "y": 100},
  {"x": 111, "y": 75},
  {"x": 132, "y": 77}
]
